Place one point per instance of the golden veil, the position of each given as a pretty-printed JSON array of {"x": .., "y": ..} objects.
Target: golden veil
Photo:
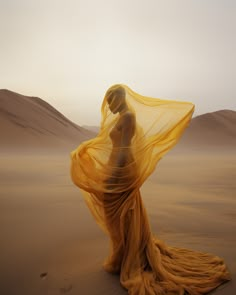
[{"x": 146, "y": 265}]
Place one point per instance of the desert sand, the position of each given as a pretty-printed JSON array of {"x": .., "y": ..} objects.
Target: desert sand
[{"x": 50, "y": 243}]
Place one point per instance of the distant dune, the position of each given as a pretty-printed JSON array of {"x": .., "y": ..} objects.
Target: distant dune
[
  {"x": 30, "y": 122},
  {"x": 216, "y": 130},
  {"x": 92, "y": 128}
]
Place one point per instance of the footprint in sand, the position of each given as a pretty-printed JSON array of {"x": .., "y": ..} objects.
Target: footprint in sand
[{"x": 43, "y": 275}]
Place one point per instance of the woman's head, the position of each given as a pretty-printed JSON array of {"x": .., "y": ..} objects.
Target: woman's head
[{"x": 115, "y": 97}]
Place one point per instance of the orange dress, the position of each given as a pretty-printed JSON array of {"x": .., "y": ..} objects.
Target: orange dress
[{"x": 146, "y": 265}]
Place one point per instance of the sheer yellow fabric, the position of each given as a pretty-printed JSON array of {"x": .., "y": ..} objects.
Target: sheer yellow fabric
[{"x": 109, "y": 170}]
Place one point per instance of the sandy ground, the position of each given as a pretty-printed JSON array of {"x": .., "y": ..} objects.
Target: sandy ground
[{"x": 50, "y": 243}]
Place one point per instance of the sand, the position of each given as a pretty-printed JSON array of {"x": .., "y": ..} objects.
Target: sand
[{"x": 50, "y": 243}]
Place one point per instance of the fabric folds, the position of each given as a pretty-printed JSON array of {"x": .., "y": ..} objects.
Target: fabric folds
[{"x": 110, "y": 172}]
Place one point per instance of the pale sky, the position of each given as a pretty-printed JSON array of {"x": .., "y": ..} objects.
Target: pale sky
[{"x": 69, "y": 52}]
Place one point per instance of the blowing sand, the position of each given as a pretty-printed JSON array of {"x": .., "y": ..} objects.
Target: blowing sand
[{"x": 50, "y": 244}]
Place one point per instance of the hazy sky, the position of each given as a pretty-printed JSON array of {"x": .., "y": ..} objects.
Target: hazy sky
[{"x": 69, "y": 52}]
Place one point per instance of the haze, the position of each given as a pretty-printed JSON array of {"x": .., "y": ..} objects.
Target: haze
[{"x": 70, "y": 52}]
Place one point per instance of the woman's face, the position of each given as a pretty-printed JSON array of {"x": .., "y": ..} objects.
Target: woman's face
[{"x": 115, "y": 103}]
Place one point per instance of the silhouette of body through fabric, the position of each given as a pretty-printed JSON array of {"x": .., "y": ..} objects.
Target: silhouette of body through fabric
[{"x": 135, "y": 132}]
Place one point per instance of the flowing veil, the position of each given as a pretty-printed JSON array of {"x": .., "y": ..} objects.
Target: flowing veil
[{"x": 112, "y": 192}]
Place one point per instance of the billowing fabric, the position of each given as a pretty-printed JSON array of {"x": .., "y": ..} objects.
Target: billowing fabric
[{"x": 110, "y": 174}]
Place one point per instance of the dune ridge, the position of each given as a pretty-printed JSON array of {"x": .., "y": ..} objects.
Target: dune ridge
[
  {"x": 214, "y": 131},
  {"x": 30, "y": 122}
]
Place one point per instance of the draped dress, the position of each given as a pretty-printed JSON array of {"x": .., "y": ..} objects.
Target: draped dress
[{"x": 145, "y": 264}]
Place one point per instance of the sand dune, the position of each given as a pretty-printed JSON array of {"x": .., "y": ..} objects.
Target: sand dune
[
  {"x": 30, "y": 122},
  {"x": 212, "y": 131},
  {"x": 92, "y": 128}
]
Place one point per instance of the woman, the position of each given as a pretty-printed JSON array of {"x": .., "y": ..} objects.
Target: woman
[{"x": 136, "y": 131}]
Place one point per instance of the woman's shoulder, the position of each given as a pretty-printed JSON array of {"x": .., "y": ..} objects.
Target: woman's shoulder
[
  {"x": 128, "y": 115},
  {"x": 127, "y": 120}
]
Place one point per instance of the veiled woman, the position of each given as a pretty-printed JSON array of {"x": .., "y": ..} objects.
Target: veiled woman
[{"x": 135, "y": 132}]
